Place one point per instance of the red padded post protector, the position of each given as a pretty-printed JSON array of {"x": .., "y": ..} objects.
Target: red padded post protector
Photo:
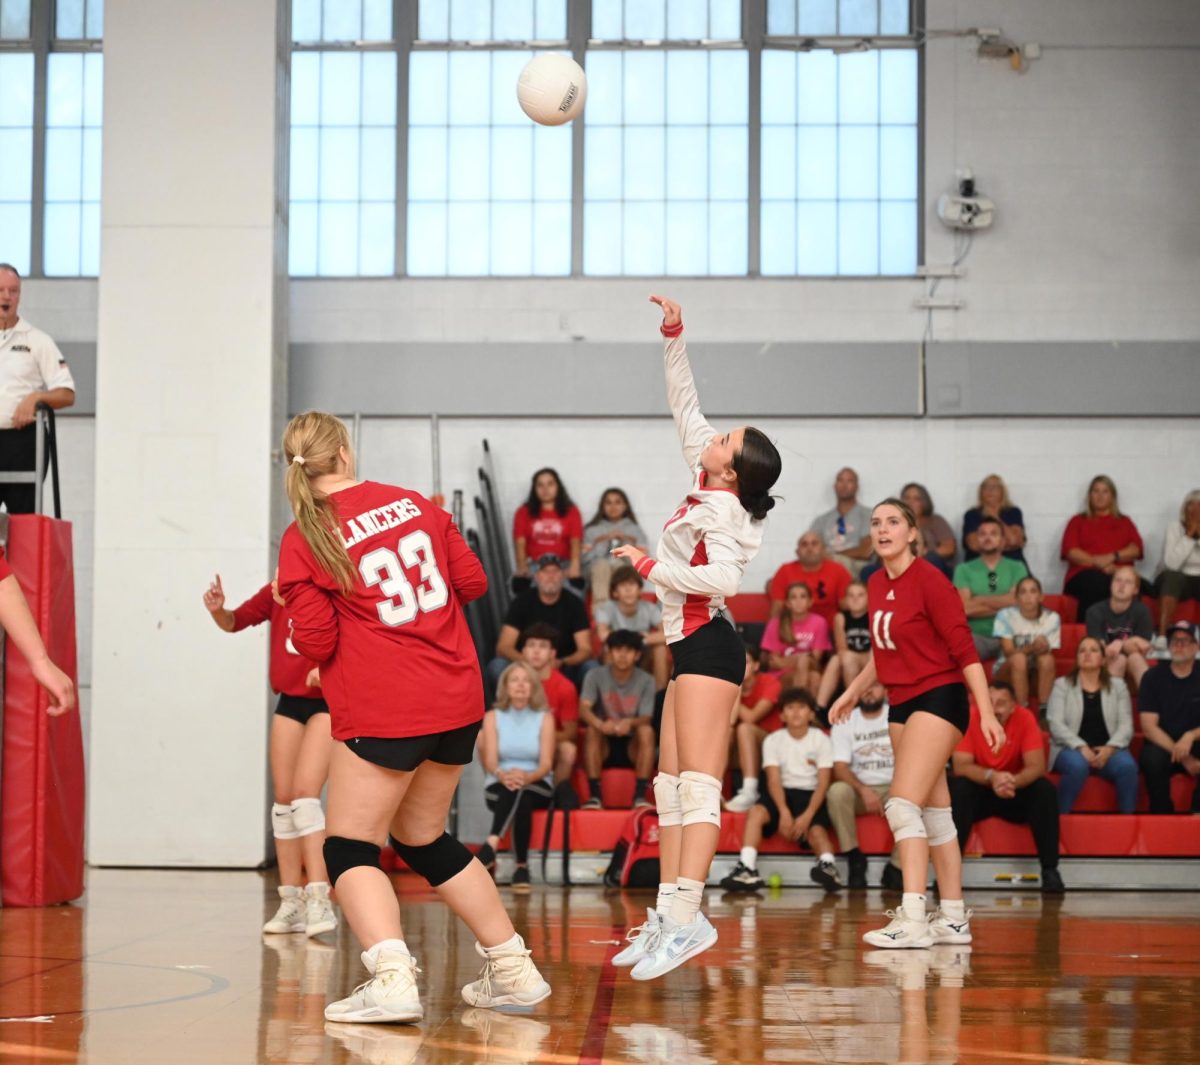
[{"x": 41, "y": 803}]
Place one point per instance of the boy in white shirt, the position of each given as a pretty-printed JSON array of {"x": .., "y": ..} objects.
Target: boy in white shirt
[{"x": 798, "y": 766}]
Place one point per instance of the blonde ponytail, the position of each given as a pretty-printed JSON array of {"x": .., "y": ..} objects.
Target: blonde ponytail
[{"x": 311, "y": 443}]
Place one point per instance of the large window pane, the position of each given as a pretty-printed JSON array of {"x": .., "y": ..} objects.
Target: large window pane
[
  {"x": 315, "y": 21},
  {"x": 14, "y": 20},
  {"x": 671, "y": 20},
  {"x": 829, "y": 18},
  {"x": 76, "y": 19},
  {"x": 492, "y": 20},
  {"x": 74, "y": 106}
]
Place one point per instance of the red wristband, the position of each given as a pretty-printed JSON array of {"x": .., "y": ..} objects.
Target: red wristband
[
  {"x": 644, "y": 565},
  {"x": 671, "y": 331}
]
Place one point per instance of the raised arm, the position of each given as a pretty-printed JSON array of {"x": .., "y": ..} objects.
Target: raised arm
[{"x": 694, "y": 430}]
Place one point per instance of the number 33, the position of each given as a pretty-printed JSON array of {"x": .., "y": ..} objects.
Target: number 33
[{"x": 385, "y": 568}]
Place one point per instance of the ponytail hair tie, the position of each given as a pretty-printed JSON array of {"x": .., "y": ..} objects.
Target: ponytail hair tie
[{"x": 297, "y": 460}]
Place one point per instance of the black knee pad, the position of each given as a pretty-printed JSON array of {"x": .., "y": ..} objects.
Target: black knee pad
[
  {"x": 342, "y": 854},
  {"x": 438, "y": 861}
]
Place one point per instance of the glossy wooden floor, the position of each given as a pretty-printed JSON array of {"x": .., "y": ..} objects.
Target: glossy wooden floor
[{"x": 166, "y": 967}]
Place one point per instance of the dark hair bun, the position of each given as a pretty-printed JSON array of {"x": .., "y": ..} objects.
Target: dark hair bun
[{"x": 758, "y": 504}]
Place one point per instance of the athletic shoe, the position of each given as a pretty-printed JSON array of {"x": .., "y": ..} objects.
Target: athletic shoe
[
  {"x": 892, "y": 879},
  {"x": 826, "y": 874},
  {"x": 374, "y": 1045},
  {"x": 593, "y": 803},
  {"x": 744, "y": 800},
  {"x": 679, "y": 942},
  {"x": 641, "y": 802},
  {"x": 743, "y": 878},
  {"x": 389, "y": 997},
  {"x": 945, "y": 929},
  {"x": 857, "y": 862},
  {"x": 508, "y": 979},
  {"x": 520, "y": 881},
  {"x": 1052, "y": 883},
  {"x": 642, "y": 941},
  {"x": 318, "y": 910},
  {"x": 902, "y": 932},
  {"x": 951, "y": 963},
  {"x": 487, "y": 857},
  {"x": 909, "y": 967},
  {"x": 290, "y": 915}
]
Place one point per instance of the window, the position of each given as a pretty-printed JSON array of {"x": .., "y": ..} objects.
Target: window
[
  {"x": 73, "y": 107},
  {"x": 837, "y": 18},
  {"x": 16, "y": 149}
]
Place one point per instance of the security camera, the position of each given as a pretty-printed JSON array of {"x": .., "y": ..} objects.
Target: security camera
[{"x": 965, "y": 209}]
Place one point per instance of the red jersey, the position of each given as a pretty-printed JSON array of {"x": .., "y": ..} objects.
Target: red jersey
[
  {"x": 1100, "y": 535},
  {"x": 919, "y": 633},
  {"x": 1021, "y": 734},
  {"x": 289, "y": 668},
  {"x": 396, "y": 655},
  {"x": 548, "y": 533},
  {"x": 562, "y": 697},
  {"x": 5, "y": 568},
  {"x": 828, "y": 585},
  {"x": 764, "y": 686}
]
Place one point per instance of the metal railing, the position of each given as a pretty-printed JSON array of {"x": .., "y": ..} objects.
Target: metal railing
[{"x": 45, "y": 452}]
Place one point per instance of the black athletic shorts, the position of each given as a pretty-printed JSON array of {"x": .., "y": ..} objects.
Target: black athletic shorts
[
  {"x": 949, "y": 702},
  {"x": 405, "y": 753},
  {"x": 797, "y": 802},
  {"x": 299, "y": 708},
  {"x": 619, "y": 756},
  {"x": 713, "y": 650}
]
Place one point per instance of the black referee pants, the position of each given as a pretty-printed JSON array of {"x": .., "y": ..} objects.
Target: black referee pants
[
  {"x": 1035, "y": 806},
  {"x": 18, "y": 452}
]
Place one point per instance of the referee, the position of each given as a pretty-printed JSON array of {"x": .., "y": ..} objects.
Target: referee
[{"x": 32, "y": 371}]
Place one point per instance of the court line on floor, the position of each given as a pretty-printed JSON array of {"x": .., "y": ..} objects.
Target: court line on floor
[{"x": 596, "y": 1033}]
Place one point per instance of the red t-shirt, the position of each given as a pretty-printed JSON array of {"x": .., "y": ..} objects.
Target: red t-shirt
[
  {"x": 919, "y": 633},
  {"x": 1021, "y": 734},
  {"x": 548, "y": 533},
  {"x": 396, "y": 654},
  {"x": 765, "y": 686},
  {"x": 289, "y": 668},
  {"x": 828, "y": 584},
  {"x": 5, "y": 568},
  {"x": 1100, "y": 535},
  {"x": 562, "y": 697}
]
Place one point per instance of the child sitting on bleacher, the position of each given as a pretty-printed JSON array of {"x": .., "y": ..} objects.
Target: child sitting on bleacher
[
  {"x": 626, "y": 609},
  {"x": 797, "y": 640},
  {"x": 797, "y": 768},
  {"x": 755, "y": 716},
  {"x": 1029, "y": 634}
]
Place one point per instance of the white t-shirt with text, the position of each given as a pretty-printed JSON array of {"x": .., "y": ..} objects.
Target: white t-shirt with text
[
  {"x": 798, "y": 760},
  {"x": 864, "y": 745}
]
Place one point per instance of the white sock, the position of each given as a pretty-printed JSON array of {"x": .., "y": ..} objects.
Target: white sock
[
  {"x": 750, "y": 786},
  {"x": 749, "y": 857},
  {"x": 686, "y": 903},
  {"x": 913, "y": 906},
  {"x": 955, "y": 909},
  {"x": 666, "y": 892},
  {"x": 371, "y": 957},
  {"x": 826, "y": 856},
  {"x": 507, "y": 947}
]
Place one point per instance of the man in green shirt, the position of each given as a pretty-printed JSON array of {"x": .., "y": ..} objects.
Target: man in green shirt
[{"x": 987, "y": 585}]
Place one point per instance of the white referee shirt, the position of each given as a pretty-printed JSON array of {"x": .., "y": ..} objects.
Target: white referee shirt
[{"x": 29, "y": 362}]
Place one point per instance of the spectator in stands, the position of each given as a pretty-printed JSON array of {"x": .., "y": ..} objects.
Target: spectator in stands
[
  {"x": 548, "y": 603},
  {"x": 516, "y": 746},
  {"x": 1122, "y": 623},
  {"x": 827, "y": 580},
  {"x": 797, "y": 640},
  {"x": 547, "y": 523},
  {"x": 1011, "y": 785},
  {"x": 1029, "y": 634},
  {"x": 851, "y": 644},
  {"x": 1096, "y": 542},
  {"x": 626, "y": 609},
  {"x": 1091, "y": 724},
  {"x": 617, "y": 706},
  {"x": 987, "y": 585},
  {"x": 755, "y": 717},
  {"x": 538, "y": 645},
  {"x": 32, "y": 371},
  {"x": 1169, "y": 706},
  {"x": 798, "y": 767},
  {"x": 994, "y": 503},
  {"x": 937, "y": 538},
  {"x": 1180, "y": 575},
  {"x": 846, "y": 529},
  {"x": 613, "y": 524},
  {"x": 863, "y": 762}
]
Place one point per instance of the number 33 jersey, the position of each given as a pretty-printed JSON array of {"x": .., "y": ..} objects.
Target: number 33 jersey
[
  {"x": 919, "y": 633},
  {"x": 396, "y": 654}
]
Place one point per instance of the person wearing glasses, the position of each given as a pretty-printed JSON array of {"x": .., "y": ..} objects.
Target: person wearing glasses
[
  {"x": 846, "y": 529},
  {"x": 987, "y": 585}
]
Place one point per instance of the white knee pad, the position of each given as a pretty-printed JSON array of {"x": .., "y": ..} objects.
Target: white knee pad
[
  {"x": 699, "y": 798},
  {"x": 308, "y": 816},
  {"x": 939, "y": 825},
  {"x": 904, "y": 819},
  {"x": 283, "y": 826},
  {"x": 666, "y": 800}
]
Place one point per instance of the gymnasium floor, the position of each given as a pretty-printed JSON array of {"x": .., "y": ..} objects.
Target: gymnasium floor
[{"x": 168, "y": 967}]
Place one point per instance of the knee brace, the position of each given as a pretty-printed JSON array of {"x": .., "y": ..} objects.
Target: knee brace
[
  {"x": 666, "y": 800},
  {"x": 699, "y": 799},
  {"x": 282, "y": 825},
  {"x": 343, "y": 854},
  {"x": 904, "y": 819},
  {"x": 437, "y": 862},
  {"x": 939, "y": 825},
  {"x": 307, "y": 816}
]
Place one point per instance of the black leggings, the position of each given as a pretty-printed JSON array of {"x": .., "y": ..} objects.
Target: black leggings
[
  {"x": 500, "y": 801},
  {"x": 1035, "y": 806}
]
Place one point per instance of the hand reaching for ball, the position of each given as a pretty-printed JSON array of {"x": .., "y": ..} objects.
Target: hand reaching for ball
[{"x": 672, "y": 312}]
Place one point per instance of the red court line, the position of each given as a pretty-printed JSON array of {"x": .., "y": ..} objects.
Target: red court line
[{"x": 592, "y": 1051}]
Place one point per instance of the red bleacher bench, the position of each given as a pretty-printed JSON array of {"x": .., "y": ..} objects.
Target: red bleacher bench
[
  {"x": 749, "y": 606},
  {"x": 1065, "y": 606}
]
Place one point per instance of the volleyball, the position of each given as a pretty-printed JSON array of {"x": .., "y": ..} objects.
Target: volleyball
[{"x": 552, "y": 88}]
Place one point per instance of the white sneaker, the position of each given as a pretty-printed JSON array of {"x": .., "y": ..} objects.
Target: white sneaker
[
  {"x": 642, "y": 940},
  {"x": 910, "y": 968},
  {"x": 945, "y": 929},
  {"x": 290, "y": 915},
  {"x": 742, "y": 801},
  {"x": 509, "y": 979},
  {"x": 319, "y": 915},
  {"x": 389, "y": 997},
  {"x": 678, "y": 943},
  {"x": 900, "y": 933}
]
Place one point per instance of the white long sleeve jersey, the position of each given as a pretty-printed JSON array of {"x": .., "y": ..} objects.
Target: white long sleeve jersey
[{"x": 709, "y": 540}]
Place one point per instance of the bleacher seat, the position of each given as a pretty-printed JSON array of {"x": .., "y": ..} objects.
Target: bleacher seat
[
  {"x": 1065, "y": 606},
  {"x": 750, "y": 607}
]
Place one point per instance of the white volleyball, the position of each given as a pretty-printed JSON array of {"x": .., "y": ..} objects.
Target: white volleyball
[{"x": 552, "y": 88}]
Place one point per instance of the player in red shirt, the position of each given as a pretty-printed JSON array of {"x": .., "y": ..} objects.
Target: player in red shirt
[
  {"x": 375, "y": 577},
  {"x": 22, "y": 630},
  {"x": 299, "y": 754},
  {"x": 922, "y": 651}
]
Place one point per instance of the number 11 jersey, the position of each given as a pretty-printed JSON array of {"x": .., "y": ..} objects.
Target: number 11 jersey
[{"x": 396, "y": 654}]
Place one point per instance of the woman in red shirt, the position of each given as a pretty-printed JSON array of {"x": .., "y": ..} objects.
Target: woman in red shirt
[
  {"x": 547, "y": 523},
  {"x": 921, "y": 651},
  {"x": 375, "y": 577},
  {"x": 1096, "y": 542}
]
